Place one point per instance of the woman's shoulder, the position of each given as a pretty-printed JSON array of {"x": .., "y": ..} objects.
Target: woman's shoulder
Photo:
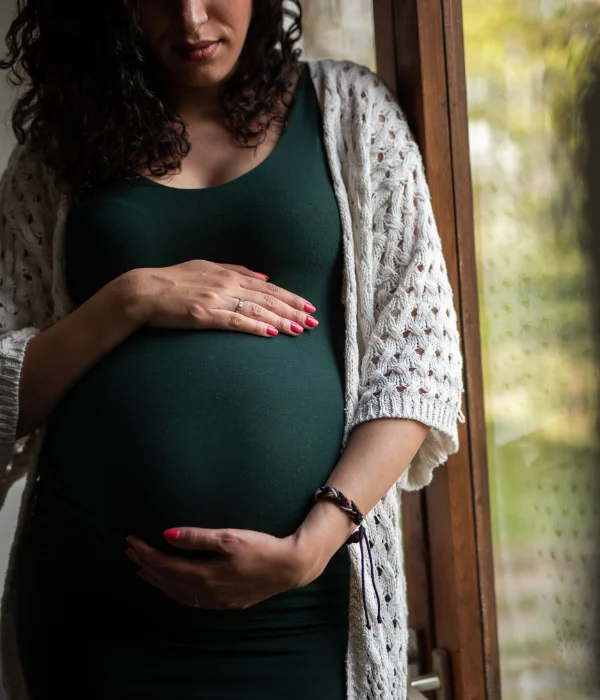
[
  {"x": 358, "y": 87},
  {"x": 25, "y": 169},
  {"x": 340, "y": 69},
  {"x": 27, "y": 181},
  {"x": 353, "y": 76},
  {"x": 367, "y": 98}
]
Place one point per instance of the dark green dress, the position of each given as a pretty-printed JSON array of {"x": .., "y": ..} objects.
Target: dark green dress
[{"x": 201, "y": 428}]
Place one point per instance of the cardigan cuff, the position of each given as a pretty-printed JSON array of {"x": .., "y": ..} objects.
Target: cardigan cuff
[
  {"x": 441, "y": 441},
  {"x": 12, "y": 353}
]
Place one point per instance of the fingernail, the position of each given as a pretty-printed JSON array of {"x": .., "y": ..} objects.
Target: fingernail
[
  {"x": 262, "y": 274},
  {"x": 297, "y": 328},
  {"x": 171, "y": 535},
  {"x": 272, "y": 331},
  {"x": 309, "y": 308},
  {"x": 130, "y": 554},
  {"x": 129, "y": 542},
  {"x": 142, "y": 575},
  {"x": 312, "y": 322}
]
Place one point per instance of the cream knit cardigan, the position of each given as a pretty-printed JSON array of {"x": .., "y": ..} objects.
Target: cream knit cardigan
[{"x": 402, "y": 352}]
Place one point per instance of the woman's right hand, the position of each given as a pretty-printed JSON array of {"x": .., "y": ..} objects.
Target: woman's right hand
[{"x": 204, "y": 295}]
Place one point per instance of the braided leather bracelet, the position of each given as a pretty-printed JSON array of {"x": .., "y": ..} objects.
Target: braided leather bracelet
[{"x": 347, "y": 504}]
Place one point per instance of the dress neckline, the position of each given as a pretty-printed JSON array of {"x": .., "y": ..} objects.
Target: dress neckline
[{"x": 273, "y": 155}]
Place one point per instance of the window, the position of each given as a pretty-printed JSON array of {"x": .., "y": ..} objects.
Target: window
[{"x": 528, "y": 63}]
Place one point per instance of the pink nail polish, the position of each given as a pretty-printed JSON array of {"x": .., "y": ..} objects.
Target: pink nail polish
[
  {"x": 130, "y": 554},
  {"x": 297, "y": 328},
  {"x": 171, "y": 535},
  {"x": 272, "y": 331},
  {"x": 309, "y": 308},
  {"x": 262, "y": 274},
  {"x": 142, "y": 575},
  {"x": 312, "y": 322},
  {"x": 128, "y": 540}
]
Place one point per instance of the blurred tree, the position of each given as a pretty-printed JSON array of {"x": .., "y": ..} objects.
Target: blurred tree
[{"x": 529, "y": 63}]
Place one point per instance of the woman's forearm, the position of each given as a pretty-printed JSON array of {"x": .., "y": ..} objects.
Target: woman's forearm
[
  {"x": 58, "y": 357},
  {"x": 377, "y": 453}
]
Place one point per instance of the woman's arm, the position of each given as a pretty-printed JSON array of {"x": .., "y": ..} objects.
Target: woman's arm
[
  {"x": 412, "y": 364},
  {"x": 376, "y": 455},
  {"x": 253, "y": 566},
  {"x": 195, "y": 295},
  {"x": 58, "y": 357}
]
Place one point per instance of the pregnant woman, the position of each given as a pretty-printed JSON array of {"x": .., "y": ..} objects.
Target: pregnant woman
[{"x": 201, "y": 440}]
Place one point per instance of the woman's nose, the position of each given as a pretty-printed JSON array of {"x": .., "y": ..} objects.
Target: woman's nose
[{"x": 193, "y": 15}]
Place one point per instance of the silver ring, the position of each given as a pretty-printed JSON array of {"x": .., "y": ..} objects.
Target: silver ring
[
  {"x": 196, "y": 601},
  {"x": 239, "y": 306}
]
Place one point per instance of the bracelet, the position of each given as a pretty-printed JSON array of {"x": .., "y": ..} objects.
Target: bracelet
[{"x": 348, "y": 505}]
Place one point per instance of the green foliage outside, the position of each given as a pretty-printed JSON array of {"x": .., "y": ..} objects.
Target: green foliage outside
[{"x": 528, "y": 65}]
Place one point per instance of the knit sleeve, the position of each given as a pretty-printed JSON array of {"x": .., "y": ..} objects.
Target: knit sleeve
[
  {"x": 25, "y": 299},
  {"x": 412, "y": 364}
]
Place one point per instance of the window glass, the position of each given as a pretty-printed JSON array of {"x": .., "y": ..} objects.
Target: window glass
[{"x": 530, "y": 64}]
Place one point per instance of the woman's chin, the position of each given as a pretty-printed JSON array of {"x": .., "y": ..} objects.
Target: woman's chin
[{"x": 200, "y": 74}]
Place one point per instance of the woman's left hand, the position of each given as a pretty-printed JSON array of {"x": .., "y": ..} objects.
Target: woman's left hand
[{"x": 248, "y": 567}]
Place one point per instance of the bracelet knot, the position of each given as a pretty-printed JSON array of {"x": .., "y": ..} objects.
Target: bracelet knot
[{"x": 348, "y": 505}]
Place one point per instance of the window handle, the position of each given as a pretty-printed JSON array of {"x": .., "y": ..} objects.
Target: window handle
[
  {"x": 438, "y": 681},
  {"x": 423, "y": 684}
]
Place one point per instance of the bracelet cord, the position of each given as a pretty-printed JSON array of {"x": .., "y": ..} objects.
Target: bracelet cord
[{"x": 345, "y": 503}]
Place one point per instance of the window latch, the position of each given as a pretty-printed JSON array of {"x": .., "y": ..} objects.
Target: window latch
[{"x": 438, "y": 681}]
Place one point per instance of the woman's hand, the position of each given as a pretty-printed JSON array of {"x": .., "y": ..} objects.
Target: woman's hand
[
  {"x": 204, "y": 295},
  {"x": 248, "y": 567}
]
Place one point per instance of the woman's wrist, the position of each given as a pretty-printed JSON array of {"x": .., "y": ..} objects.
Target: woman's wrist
[
  {"x": 126, "y": 294},
  {"x": 324, "y": 530}
]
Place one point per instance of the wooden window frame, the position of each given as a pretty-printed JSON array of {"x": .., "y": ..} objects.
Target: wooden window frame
[{"x": 447, "y": 527}]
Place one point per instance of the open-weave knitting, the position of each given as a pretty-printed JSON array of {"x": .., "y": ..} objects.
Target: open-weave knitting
[{"x": 402, "y": 353}]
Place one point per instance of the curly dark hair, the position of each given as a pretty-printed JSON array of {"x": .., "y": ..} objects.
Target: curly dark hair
[{"x": 99, "y": 116}]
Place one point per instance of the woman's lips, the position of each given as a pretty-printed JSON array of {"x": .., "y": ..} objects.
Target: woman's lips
[{"x": 202, "y": 51}]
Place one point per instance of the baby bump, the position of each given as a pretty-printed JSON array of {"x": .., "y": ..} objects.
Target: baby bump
[{"x": 209, "y": 429}]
